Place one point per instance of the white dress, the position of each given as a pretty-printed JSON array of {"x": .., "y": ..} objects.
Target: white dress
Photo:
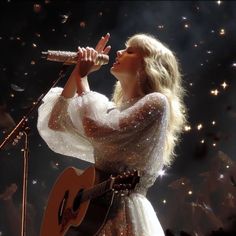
[{"x": 120, "y": 139}]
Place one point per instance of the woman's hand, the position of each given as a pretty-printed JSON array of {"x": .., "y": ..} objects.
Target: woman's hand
[
  {"x": 86, "y": 60},
  {"x": 87, "y": 56},
  {"x": 101, "y": 48}
]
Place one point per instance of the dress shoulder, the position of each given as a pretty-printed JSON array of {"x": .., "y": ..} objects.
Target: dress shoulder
[{"x": 155, "y": 99}]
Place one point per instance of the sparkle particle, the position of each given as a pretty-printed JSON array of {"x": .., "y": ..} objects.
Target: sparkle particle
[
  {"x": 224, "y": 85},
  {"x": 214, "y": 92},
  {"x": 161, "y": 172},
  {"x": 221, "y": 176},
  {"x": 199, "y": 126},
  {"x": 187, "y": 128},
  {"x": 222, "y": 32},
  {"x": 190, "y": 192}
]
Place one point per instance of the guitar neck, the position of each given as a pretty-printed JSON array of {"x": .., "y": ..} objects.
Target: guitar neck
[{"x": 97, "y": 190}]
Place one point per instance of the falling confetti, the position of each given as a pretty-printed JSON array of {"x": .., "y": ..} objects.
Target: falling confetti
[
  {"x": 64, "y": 18},
  {"x": 82, "y": 24},
  {"x": 37, "y": 8},
  {"x": 17, "y": 88}
]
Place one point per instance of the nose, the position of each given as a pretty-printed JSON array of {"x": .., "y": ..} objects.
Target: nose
[{"x": 119, "y": 52}]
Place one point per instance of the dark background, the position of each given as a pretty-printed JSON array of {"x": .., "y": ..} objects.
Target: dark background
[{"x": 201, "y": 33}]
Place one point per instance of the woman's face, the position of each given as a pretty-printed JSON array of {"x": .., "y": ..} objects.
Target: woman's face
[{"x": 128, "y": 62}]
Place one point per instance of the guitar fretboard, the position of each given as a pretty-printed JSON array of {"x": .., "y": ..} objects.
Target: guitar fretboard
[{"x": 97, "y": 190}]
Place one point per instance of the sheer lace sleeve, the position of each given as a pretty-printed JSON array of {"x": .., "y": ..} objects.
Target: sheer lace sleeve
[{"x": 69, "y": 140}]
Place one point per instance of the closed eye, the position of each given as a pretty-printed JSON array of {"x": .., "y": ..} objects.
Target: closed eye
[{"x": 129, "y": 51}]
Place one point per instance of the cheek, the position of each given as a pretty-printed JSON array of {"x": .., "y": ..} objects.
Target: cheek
[{"x": 132, "y": 65}]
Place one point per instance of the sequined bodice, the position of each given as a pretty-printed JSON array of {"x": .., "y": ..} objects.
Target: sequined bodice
[{"x": 117, "y": 154}]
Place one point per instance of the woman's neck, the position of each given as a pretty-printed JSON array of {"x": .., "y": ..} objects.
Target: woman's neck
[{"x": 130, "y": 91}]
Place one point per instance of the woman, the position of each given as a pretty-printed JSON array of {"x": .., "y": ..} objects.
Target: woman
[{"x": 138, "y": 130}]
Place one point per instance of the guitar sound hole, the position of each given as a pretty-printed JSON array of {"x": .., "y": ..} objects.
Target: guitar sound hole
[{"x": 77, "y": 200}]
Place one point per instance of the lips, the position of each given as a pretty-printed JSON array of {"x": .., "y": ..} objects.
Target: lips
[{"x": 116, "y": 62}]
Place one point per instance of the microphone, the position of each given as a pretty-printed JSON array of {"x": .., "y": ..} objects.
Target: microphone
[{"x": 69, "y": 58}]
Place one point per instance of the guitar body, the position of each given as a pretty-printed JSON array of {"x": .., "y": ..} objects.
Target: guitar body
[{"x": 67, "y": 214}]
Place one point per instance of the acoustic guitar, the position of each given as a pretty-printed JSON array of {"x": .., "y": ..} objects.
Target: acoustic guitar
[{"x": 79, "y": 204}]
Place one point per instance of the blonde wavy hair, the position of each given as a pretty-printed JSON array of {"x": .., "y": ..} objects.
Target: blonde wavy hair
[{"x": 160, "y": 73}]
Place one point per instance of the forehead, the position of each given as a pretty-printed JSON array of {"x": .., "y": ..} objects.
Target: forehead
[{"x": 132, "y": 44}]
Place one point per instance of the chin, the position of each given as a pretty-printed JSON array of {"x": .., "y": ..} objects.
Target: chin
[{"x": 113, "y": 71}]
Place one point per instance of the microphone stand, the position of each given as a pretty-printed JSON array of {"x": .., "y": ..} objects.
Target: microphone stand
[{"x": 21, "y": 129}]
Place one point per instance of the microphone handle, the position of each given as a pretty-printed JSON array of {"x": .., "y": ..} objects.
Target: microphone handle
[{"x": 69, "y": 58}]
